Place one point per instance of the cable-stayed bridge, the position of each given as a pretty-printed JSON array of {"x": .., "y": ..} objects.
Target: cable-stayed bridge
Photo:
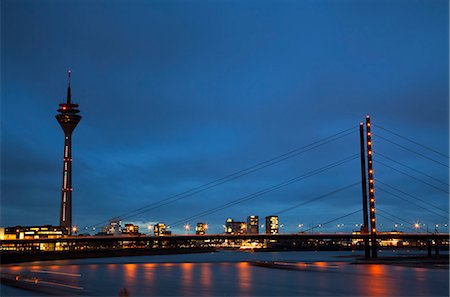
[
  {"x": 365, "y": 210},
  {"x": 368, "y": 183}
]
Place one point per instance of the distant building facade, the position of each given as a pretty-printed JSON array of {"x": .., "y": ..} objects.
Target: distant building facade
[
  {"x": 272, "y": 225},
  {"x": 233, "y": 227},
  {"x": 131, "y": 229},
  {"x": 253, "y": 224},
  {"x": 160, "y": 229},
  {"x": 200, "y": 228},
  {"x": 33, "y": 232}
]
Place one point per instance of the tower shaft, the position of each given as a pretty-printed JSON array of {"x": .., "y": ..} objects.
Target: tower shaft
[{"x": 65, "y": 217}]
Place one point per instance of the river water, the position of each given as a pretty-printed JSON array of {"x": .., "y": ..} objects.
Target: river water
[{"x": 230, "y": 274}]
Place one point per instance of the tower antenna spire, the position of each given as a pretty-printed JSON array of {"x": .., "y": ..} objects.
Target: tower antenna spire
[{"x": 69, "y": 95}]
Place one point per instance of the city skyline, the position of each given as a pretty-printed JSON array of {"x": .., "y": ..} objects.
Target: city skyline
[{"x": 161, "y": 117}]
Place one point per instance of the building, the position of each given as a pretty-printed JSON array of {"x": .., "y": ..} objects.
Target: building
[
  {"x": 272, "y": 225},
  {"x": 200, "y": 229},
  {"x": 395, "y": 242},
  {"x": 131, "y": 229},
  {"x": 68, "y": 119},
  {"x": 160, "y": 230},
  {"x": 114, "y": 228},
  {"x": 252, "y": 224},
  {"x": 232, "y": 227},
  {"x": 33, "y": 232}
]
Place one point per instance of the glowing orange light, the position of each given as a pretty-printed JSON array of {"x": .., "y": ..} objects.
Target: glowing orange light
[
  {"x": 416, "y": 225},
  {"x": 372, "y": 200},
  {"x": 373, "y": 230},
  {"x": 371, "y": 171},
  {"x": 370, "y": 152},
  {"x": 373, "y": 220},
  {"x": 368, "y": 124},
  {"x": 371, "y": 181},
  {"x": 368, "y": 133}
]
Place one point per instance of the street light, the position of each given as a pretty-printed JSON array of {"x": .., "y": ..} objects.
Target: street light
[{"x": 187, "y": 227}]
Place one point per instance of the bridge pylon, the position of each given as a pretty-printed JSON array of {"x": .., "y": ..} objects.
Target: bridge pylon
[
  {"x": 372, "y": 210},
  {"x": 365, "y": 228}
]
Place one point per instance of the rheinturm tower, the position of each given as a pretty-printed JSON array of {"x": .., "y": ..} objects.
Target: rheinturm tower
[{"x": 68, "y": 118}]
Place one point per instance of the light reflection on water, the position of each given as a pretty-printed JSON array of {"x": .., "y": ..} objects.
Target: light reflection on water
[{"x": 240, "y": 278}]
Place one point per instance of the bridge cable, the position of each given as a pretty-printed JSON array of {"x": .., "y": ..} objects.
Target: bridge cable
[
  {"x": 411, "y": 176},
  {"x": 266, "y": 190},
  {"x": 411, "y": 168},
  {"x": 410, "y": 140},
  {"x": 238, "y": 174},
  {"x": 312, "y": 173},
  {"x": 331, "y": 221},
  {"x": 410, "y": 150},
  {"x": 409, "y": 201},
  {"x": 395, "y": 222},
  {"x": 412, "y": 196},
  {"x": 408, "y": 224},
  {"x": 317, "y": 198}
]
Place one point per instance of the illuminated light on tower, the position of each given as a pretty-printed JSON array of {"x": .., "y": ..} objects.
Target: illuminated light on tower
[
  {"x": 68, "y": 119},
  {"x": 373, "y": 228}
]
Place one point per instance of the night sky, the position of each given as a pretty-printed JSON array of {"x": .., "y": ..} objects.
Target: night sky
[{"x": 175, "y": 94}]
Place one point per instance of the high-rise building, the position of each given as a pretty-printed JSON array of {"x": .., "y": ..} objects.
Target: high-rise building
[
  {"x": 200, "y": 229},
  {"x": 68, "y": 119},
  {"x": 272, "y": 225},
  {"x": 232, "y": 227},
  {"x": 131, "y": 229},
  {"x": 252, "y": 224},
  {"x": 160, "y": 230}
]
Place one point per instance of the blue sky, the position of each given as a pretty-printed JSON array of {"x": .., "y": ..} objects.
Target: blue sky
[{"x": 175, "y": 94}]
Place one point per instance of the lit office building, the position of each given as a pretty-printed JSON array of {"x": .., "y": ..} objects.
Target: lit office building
[
  {"x": 232, "y": 227},
  {"x": 33, "y": 232},
  {"x": 200, "y": 229},
  {"x": 253, "y": 224},
  {"x": 272, "y": 225},
  {"x": 160, "y": 230},
  {"x": 131, "y": 229}
]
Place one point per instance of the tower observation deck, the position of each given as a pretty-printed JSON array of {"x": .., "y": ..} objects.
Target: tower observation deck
[{"x": 68, "y": 118}]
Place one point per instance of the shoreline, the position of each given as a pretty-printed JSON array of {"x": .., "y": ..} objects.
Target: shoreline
[{"x": 21, "y": 257}]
